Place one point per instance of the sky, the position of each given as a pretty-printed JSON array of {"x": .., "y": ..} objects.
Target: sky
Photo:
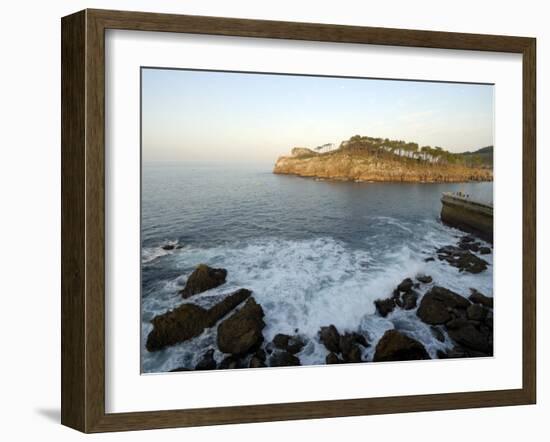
[{"x": 223, "y": 116}]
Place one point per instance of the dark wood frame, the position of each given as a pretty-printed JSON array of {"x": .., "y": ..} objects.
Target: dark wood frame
[{"x": 83, "y": 217}]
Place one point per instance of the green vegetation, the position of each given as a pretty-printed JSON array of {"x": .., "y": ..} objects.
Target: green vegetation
[{"x": 381, "y": 146}]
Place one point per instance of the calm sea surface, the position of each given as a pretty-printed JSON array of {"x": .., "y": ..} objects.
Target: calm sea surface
[{"x": 314, "y": 252}]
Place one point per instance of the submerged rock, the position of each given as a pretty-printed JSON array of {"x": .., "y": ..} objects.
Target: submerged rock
[
  {"x": 437, "y": 305},
  {"x": 241, "y": 333},
  {"x": 189, "y": 320},
  {"x": 330, "y": 338},
  {"x": 424, "y": 279},
  {"x": 385, "y": 306},
  {"x": 168, "y": 247},
  {"x": 396, "y": 346},
  {"x": 464, "y": 260},
  {"x": 203, "y": 278},
  {"x": 283, "y": 359},
  {"x": 207, "y": 361}
]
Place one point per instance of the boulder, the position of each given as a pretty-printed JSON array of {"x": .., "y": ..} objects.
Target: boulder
[
  {"x": 332, "y": 358},
  {"x": 349, "y": 348},
  {"x": 231, "y": 363},
  {"x": 256, "y": 362},
  {"x": 203, "y": 278},
  {"x": 464, "y": 260},
  {"x": 207, "y": 361},
  {"x": 436, "y": 305},
  {"x": 189, "y": 320},
  {"x": 241, "y": 333},
  {"x": 476, "y": 312},
  {"x": 405, "y": 285},
  {"x": 409, "y": 299},
  {"x": 470, "y": 335},
  {"x": 283, "y": 359},
  {"x": 437, "y": 334},
  {"x": 424, "y": 279},
  {"x": 292, "y": 344},
  {"x": 484, "y": 250},
  {"x": 385, "y": 306},
  {"x": 330, "y": 338},
  {"x": 396, "y": 346},
  {"x": 480, "y": 298}
]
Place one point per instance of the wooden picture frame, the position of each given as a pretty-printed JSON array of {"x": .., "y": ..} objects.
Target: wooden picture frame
[{"x": 83, "y": 219}]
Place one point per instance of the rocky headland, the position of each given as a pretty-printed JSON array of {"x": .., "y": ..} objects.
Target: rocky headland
[{"x": 377, "y": 160}]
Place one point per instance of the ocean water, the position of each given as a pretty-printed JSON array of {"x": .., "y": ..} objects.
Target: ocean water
[{"x": 313, "y": 252}]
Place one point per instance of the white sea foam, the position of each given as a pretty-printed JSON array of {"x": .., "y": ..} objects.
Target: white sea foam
[{"x": 304, "y": 285}]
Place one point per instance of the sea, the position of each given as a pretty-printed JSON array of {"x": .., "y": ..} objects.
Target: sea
[{"x": 313, "y": 252}]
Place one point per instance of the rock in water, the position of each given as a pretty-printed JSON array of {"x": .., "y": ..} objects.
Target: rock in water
[
  {"x": 424, "y": 279},
  {"x": 330, "y": 337},
  {"x": 436, "y": 305},
  {"x": 464, "y": 260},
  {"x": 283, "y": 359},
  {"x": 241, "y": 333},
  {"x": 476, "y": 312},
  {"x": 207, "y": 361},
  {"x": 203, "y": 278},
  {"x": 189, "y": 320},
  {"x": 292, "y": 344},
  {"x": 385, "y": 306},
  {"x": 480, "y": 298},
  {"x": 469, "y": 334},
  {"x": 332, "y": 358},
  {"x": 395, "y": 346},
  {"x": 409, "y": 299},
  {"x": 405, "y": 285}
]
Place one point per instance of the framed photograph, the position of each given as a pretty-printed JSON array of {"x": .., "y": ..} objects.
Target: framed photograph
[{"x": 267, "y": 220}]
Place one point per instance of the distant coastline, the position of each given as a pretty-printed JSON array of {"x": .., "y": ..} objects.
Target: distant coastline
[{"x": 366, "y": 159}]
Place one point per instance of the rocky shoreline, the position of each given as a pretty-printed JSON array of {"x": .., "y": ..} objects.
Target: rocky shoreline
[{"x": 463, "y": 325}]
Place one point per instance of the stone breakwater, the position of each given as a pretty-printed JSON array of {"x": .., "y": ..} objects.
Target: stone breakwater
[
  {"x": 358, "y": 165},
  {"x": 463, "y": 325}
]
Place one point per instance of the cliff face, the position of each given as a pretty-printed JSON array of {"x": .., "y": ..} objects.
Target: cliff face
[{"x": 360, "y": 165}]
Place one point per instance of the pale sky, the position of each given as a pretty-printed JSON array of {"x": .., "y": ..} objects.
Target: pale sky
[{"x": 203, "y": 116}]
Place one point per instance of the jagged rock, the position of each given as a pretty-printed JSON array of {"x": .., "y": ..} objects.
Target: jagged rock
[
  {"x": 436, "y": 305},
  {"x": 424, "y": 279},
  {"x": 349, "y": 347},
  {"x": 484, "y": 250},
  {"x": 437, "y": 334},
  {"x": 207, "y": 361},
  {"x": 480, "y": 298},
  {"x": 332, "y": 358},
  {"x": 189, "y": 320},
  {"x": 256, "y": 362},
  {"x": 470, "y": 335},
  {"x": 464, "y": 260},
  {"x": 409, "y": 299},
  {"x": 241, "y": 333},
  {"x": 330, "y": 338},
  {"x": 203, "y": 278},
  {"x": 405, "y": 285},
  {"x": 168, "y": 247},
  {"x": 385, "y": 306},
  {"x": 395, "y": 346},
  {"x": 292, "y": 344},
  {"x": 476, "y": 312},
  {"x": 283, "y": 359}
]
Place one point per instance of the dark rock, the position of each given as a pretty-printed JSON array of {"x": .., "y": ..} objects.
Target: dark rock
[
  {"x": 484, "y": 250},
  {"x": 349, "y": 348},
  {"x": 330, "y": 338},
  {"x": 203, "y": 278},
  {"x": 360, "y": 339},
  {"x": 168, "y": 247},
  {"x": 385, "y": 306},
  {"x": 241, "y": 333},
  {"x": 468, "y": 334},
  {"x": 409, "y": 300},
  {"x": 464, "y": 260},
  {"x": 260, "y": 354},
  {"x": 437, "y": 334},
  {"x": 189, "y": 320},
  {"x": 405, "y": 285},
  {"x": 395, "y": 346},
  {"x": 480, "y": 298},
  {"x": 489, "y": 320},
  {"x": 292, "y": 344},
  {"x": 430, "y": 259},
  {"x": 230, "y": 363},
  {"x": 256, "y": 362},
  {"x": 460, "y": 352},
  {"x": 436, "y": 305},
  {"x": 473, "y": 246},
  {"x": 180, "y": 369},
  {"x": 283, "y": 359},
  {"x": 424, "y": 279},
  {"x": 467, "y": 239},
  {"x": 441, "y": 354},
  {"x": 476, "y": 312},
  {"x": 332, "y": 358},
  {"x": 207, "y": 361}
]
